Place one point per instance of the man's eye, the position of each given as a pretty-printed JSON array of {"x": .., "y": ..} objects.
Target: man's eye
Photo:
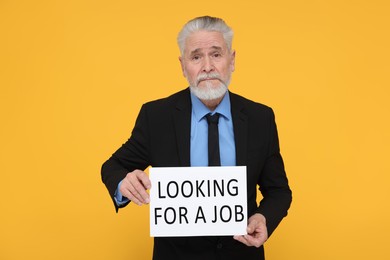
[
  {"x": 195, "y": 58},
  {"x": 217, "y": 55}
]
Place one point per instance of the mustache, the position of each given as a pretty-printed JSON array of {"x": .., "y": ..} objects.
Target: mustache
[{"x": 204, "y": 76}]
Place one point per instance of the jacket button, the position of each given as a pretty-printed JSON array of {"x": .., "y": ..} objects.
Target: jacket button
[{"x": 219, "y": 245}]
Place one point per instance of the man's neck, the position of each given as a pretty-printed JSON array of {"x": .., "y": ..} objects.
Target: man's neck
[{"x": 212, "y": 104}]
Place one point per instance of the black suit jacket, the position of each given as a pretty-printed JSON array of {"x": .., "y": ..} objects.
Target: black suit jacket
[{"x": 161, "y": 138}]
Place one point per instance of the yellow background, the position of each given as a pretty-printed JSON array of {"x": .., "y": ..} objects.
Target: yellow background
[{"x": 74, "y": 73}]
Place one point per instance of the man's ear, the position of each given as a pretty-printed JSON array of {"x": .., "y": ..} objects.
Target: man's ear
[
  {"x": 182, "y": 66},
  {"x": 233, "y": 61}
]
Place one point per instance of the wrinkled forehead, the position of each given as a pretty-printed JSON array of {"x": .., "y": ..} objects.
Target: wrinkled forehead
[
  {"x": 204, "y": 41},
  {"x": 212, "y": 48}
]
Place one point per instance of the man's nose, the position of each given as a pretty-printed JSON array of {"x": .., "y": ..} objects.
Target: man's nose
[{"x": 208, "y": 65}]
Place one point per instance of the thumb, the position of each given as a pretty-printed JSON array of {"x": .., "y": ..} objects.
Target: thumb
[{"x": 251, "y": 226}]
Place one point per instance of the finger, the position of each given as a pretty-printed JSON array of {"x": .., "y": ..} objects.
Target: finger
[
  {"x": 134, "y": 193},
  {"x": 256, "y": 241},
  {"x": 144, "y": 179},
  {"x": 242, "y": 240},
  {"x": 249, "y": 240},
  {"x": 139, "y": 190},
  {"x": 129, "y": 191},
  {"x": 252, "y": 226},
  {"x": 134, "y": 199}
]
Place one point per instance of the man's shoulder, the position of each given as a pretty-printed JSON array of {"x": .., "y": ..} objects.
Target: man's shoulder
[
  {"x": 248, "y": 105},
  {"x": 179, "y": 98}
]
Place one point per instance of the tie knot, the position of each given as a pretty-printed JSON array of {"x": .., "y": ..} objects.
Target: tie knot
[{"x": 212, "y": 119}]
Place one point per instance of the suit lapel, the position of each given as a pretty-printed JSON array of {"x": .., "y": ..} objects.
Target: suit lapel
[
  {"x": 182, "y": 121},
  {"x": 240, "y": 128}
]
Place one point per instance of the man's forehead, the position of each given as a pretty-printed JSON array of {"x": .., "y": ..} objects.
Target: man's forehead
[
  {"x": 212, "y": 48},
  {"x": 205, "y": 41}
]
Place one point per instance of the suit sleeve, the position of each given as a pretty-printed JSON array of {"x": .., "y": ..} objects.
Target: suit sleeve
[
  {"x": 273, "y": 182},
  {"x": 130, "y": 156}
]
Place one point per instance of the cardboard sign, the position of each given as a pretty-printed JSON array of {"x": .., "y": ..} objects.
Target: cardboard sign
[{"x": 198, "y": 201}]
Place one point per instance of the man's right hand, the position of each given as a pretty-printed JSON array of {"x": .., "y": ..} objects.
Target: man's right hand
[{"x": 134, "y": 187}]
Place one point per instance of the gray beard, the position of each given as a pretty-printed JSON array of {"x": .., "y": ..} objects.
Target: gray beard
[{"x": 209, "y": 92}]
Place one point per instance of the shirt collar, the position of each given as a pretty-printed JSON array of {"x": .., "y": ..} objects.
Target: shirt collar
[{"x": 200, "y": 110}]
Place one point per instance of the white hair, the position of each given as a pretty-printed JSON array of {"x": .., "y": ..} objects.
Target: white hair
[{"x": 206, "y": 23}]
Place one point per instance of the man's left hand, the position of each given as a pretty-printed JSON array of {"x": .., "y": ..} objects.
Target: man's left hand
[{"x": 257, "y": 231}]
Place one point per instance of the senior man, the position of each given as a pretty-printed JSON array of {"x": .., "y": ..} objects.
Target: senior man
[{"x": 175, "y": 132}]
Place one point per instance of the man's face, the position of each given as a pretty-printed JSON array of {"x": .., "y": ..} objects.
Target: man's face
[{"x": 207, "y": 64}]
